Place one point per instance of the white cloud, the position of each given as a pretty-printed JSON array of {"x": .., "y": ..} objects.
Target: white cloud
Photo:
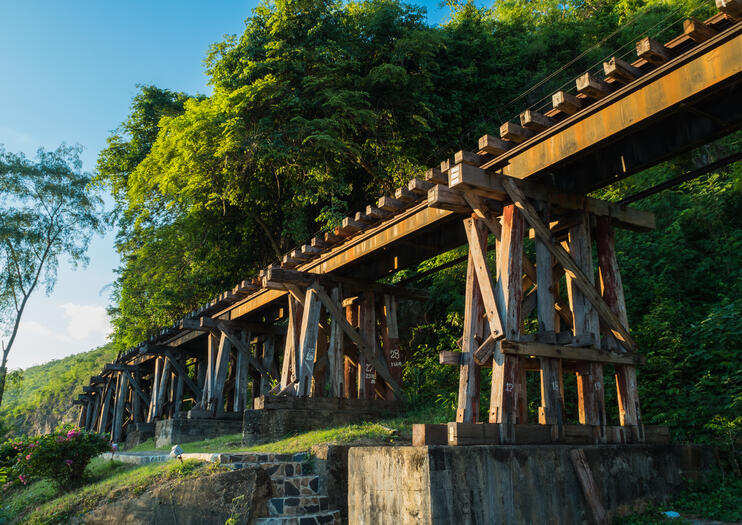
[{"x": 85, "y": 320}]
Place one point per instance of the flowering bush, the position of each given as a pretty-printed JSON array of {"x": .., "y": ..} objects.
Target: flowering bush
[{"x": 60, "y": 456}]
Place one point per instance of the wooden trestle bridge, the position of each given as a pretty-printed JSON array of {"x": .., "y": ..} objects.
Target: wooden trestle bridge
[{"x": 318, "y": 324}]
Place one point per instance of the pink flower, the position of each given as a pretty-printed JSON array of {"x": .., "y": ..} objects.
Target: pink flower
[
  {"x": 28, "y": 457},
  {"x": 72, "y": 433},
  {"x": 69, "y": 462},
  {"x": 23, "y": 479}
]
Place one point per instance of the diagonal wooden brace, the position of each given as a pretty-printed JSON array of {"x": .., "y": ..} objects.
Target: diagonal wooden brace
[
  {"x": 362, "y": 345},
  {"x": 560, "y": 254}
]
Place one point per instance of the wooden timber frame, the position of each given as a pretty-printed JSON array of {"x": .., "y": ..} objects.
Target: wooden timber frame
[
  {"x": 318, "y": 322},
  {"x": 578, "y": 337}
]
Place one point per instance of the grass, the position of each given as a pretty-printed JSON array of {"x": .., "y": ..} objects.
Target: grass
[
  {"x": 371, "y": 433},
  {"x": 41, "y": 503}
]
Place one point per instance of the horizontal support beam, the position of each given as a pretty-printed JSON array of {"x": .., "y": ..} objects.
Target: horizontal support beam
[
  {"x": 571, "y": 353},
  {"x": 283, "y": 276},
  {"x": 466, "y": 178}
]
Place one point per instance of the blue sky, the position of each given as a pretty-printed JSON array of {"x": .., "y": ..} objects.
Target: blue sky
[{"x": 69, "y": 71}]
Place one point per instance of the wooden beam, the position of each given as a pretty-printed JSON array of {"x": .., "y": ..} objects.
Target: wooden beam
[
  {"x": 478, "y": 258},
  {"x": 535, "y": 121},
  {"x": 391, "y": 204},
  {"x": 592, "y": 87},
  {"x": 733, "y": 8},
  {"x": 652, "y": 51},
  {"x": 420, "y": 187},
  {"x": 220, "y": 374},
  {"x": 442, "y": 198},
  {"x": 367, "y": 330},
  {"x": 570, "y": 353},
  {"x": 567, "y": 103},
  {"x": 363, "y": 347},
  {"x": 335, "y": 350},
  {"x": 698, "y": 31},
  {"x": 493, "y": 145},
  {"x": 390, "y": 341},
  {"x": 137, "y": 389},
  {"x": 469, "y": 387},
  {"x": 611, "y": 288},
  {"x": 435, "y": 176},
  {"x": 241, "y": 346},
  {"x": 308, "y": 341},
  {"x": 581, "y": 280},
  {"x": 589, "y": 488},
  {"x": 467, "y": 157},
  {"x": 552, "y": 391},
  {"x": 491, "y": 185},
  {"x": 515, "y": 133},
  {"x": 621, "y": 71},
  {"x": 508, "y": 394}
]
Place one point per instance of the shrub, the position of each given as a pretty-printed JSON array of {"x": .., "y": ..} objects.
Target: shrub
[{"x": 60, "y": 457}]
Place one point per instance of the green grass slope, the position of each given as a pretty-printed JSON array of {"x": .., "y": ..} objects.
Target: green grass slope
[{"x": 44, "y": 397}]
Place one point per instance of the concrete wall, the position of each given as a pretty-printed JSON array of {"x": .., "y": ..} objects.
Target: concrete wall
[
  {"x": 509, "y": 484},
  {"x": 183, "y": 430}
]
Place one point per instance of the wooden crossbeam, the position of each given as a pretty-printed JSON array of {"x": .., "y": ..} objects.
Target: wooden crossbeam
[
  {"x": 621, "y": 71},
  {"x": 535, "y": 121},
  {"x": 592, "y": 87},
  {"x": 493, "y": 145},
  {"x": 491, "y": 185},
  {"x": 435, "y": 176},
  {"x": 653, "y": 51},
  {"x": 137, "y": 389},
  {"x": 566, "y": 102},
  {"x": 732, "y": 8},
  {"x": 698, "y": 31},
  {"x": 582, "y": 282},
  {"x": 283, "y": 277},
  {"x": 443, "y": 198},
  {"x": 362, "y": 345},
  {"x": 572, "y": 353},
  {"x": 516, "y": 133}
]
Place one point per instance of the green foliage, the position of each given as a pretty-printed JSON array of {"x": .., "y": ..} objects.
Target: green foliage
[
  {"x": 42, "y": 401},
  {"x": 61, "y": 456},
  {"x": 46, "y": 212}
]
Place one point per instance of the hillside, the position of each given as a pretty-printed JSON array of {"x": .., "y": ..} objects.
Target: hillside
[{"x": 44, "y": 398}]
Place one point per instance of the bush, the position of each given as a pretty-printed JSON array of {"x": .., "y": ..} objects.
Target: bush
[{"x": 60, "y": 457}]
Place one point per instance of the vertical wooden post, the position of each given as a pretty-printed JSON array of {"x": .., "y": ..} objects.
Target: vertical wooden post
[
  {"x": 201, "y": 371},
  {"x": 212, "y": 346},
  {"x": 155, "y": 390},
  {"x": 551, "y": 411},
  {"x": 82, "y": 420},
  {"x": 390, "y": 339},
  {"x": 289, "y": 369},
  {"x": 97, "y": 402},
  {"x": 136, "y": 402},
  {"x": 508, "y": 399},
  {"x": 105, "y": 406},
  {"x": 611, "y": 287},
  {"x": 367, "y": 321},
  {"x": 319, "y": 373},
  {"x": 178, "y": 400},
  {"x": 335, "y": 351},
  {"x": 308, "y": 341},
  {"x": 468, "y": 399},
  {"x": 351, "y": 370},
  {"x": 591, "y": 399},
  {"x": 269, "y": 344},
  {"x": 220, "y": 373},
  {"x": 122, "y": 391},
  {"x": 162, "y": 388}
]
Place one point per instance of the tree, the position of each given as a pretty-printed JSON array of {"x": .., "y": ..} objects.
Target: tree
[{"x": 46, "y": 212}]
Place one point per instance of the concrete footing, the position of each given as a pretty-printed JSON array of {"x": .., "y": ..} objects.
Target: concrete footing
[
  {"x": 184, "y": 430},
  {"x": 275, "y": 417},
  {"x": 511, "y": 483}
]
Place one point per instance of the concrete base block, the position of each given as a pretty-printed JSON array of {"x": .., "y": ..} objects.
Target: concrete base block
[
  {"x": 512, "y": 483},
  {"x": 279, "y": 417},
  {"x": 181, "y": 430}
]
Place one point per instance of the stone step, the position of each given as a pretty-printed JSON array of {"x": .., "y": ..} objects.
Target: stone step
[
  {"x": 275, "y": 470},
  {"x": 320, "y": 518},
  {"x": 261, "y": 457},
  {"x": 298, "y": 505},
  {"x": 295, "y": 486}
]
